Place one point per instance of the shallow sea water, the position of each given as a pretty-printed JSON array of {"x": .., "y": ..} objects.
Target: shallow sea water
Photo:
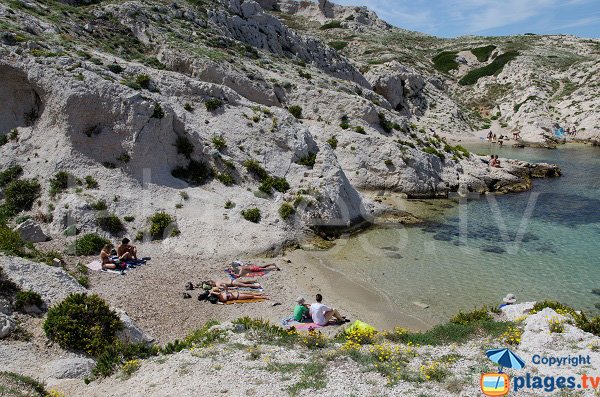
[{"x": 542, "y": 244}]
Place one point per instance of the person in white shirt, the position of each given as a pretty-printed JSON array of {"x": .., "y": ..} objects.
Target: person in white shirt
[{"x": 322, "y": 314}]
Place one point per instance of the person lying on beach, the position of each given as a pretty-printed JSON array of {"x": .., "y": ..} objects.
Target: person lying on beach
[
  {"x": 109, "y": 261},
  {"x": 126, "y": 251},
  {"x": 241, "y": 271},
  {"x": 209, "y": 284},
  {"x": 224, "y": 295},
  {"x": 322, "y": 315}
]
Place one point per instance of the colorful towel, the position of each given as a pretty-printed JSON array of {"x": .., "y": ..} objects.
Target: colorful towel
[
  {"x": 291, "y": 322},
  {"x": 245, "y": 301},
  {"x": 234, "y": 276}
]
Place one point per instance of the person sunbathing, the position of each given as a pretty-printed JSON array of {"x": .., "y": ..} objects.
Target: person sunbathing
[
  {"x": 243, "y": 270},
  {"x": 224, "y": 295},
  {"x": 126, "y": 250},
  {"x": 109, "y": 261},
  {"x": 231, "y": 284}
]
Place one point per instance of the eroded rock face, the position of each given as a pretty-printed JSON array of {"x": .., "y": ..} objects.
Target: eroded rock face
[
  {"x": 251, "y": 25},
  {"x": 401, "y": 86},
  {"x": 21, "y": 101}
]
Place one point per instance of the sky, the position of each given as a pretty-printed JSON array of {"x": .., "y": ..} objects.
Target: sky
[{"x": 452, "y": 18}]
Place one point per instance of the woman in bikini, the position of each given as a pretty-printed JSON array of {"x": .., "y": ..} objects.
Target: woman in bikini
[
  {"x": 233, "y": 284},
  {"x": 107, "y": 259},
  {"x": 224, "y": 295},
  {"x": 241, "y": 271}
]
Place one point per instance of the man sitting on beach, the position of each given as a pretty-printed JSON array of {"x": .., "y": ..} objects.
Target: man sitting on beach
[
  {"x": 321, "y": 314},
  {"x": 126, "y": 251}
]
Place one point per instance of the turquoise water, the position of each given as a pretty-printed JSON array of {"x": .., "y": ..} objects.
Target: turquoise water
[{"x": 541, "y": 244}]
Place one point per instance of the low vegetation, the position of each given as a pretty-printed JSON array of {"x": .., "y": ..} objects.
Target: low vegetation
[
  {"x": 28, "y": 298},
  {"x": 160, "y": 225},
  {"x": 213, "y": 104},
  {"x": 286, "y": 211},
  {"x": 110, "y": 223},
  {"x": 483, "y": 53},
  {"x": 445, "y": 61},
  {"x": 491, "y": 69},
  {"x": 83, "y": 323},
  {"x": 296, "y": 111},
  {"x": 88, "y": 244},
  {"x": 252, "y": 214}
]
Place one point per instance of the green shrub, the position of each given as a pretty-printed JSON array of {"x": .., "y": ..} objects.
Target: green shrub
[
  {"x": 90, "y": 182},
  {"x": 333, "y": 142},
  {"x": 359, "y": 129},
  {"x": 471, "y": 317},
  {"x": 445, "y": 61},
  {"x": 388, "y": 162},
  {"x": 129, "y": 218},
  {"x": 3, "y": 140},
  {"x": 296, "y": 111},
  {"x": 188, "y": 107},
  {"x": 154, "y": 63},
  {"x": 483, "y": 53},
  {"x": 196, "y": 172},
  {"x": 251, "y": 214},
  {"x": 387, "y": 125},
  {"x": 226, "y": 178},
  {"x": 10, "y": 242},
  {"x": 266, "y": 332},
  {"x": 60, "y": 182},
  {"x": 99, "y": 205},
  {"x": 286, "y": 210},
  {"x": 184, "y": 146},
  {"x": 119, "y": 353},
  {"x": 445, "y": 334},
  {"x": 20, "y": 194},
  {"x": 269, "y": 183},
  {"x": 345, "y": 124},
  {"x": 88, "y": 244},
  {"x": 28, "y": 298},
  {"x": 124, "y": 157},
  {"x": 159, "y": 223},
  {"x": 308, "y": 160},
  {"x": 115, "y": 68},
  {"x": 109, "y": 165},
  {"x": 435, "y": 152},
  {"x": 158, "y": 112},
  {"x": 143, "y": 80},
  {"x": 338, "y": 45},
  {"x": 491, "y": 69},
  {"x": 229, "y": 204},
  {"x": 82, "y": 322},
  {"x": 12, "y": 173},
  {"x": 254, "y": 168},
  {"x": 219, "y": 142},
  {"x": 213, "y": 104},
  {"x": 110, "y": 223},
  {"x": 335, "y": 24},
  {"x": 305, "y": 75}
]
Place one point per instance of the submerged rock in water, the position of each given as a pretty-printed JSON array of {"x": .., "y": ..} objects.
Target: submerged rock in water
[
  {"x": 394, "y": 256},
  {"x": 394, "y": 249},
  {"x": 493, "y": 249},
  {"x": 596, "y": 291}
]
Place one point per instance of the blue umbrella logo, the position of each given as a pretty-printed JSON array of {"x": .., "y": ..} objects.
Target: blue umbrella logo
[{"x": 505, "y": 358}]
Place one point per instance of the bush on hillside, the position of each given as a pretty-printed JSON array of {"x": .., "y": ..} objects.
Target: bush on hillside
[
  {"x": 308, "y": 160},
  {"x": 296, "y": 111},
  {"x": 89, "y": 244},
  {"x": 474, "y": 316},
  {"x": 184, "y": 146},
  {"x": 110, "y": 223},
  {"x": 82, "y": 322},
  {"x": 286, "y": 210},
  {"x": 489, "y": 70},
  {"x": 213, "y": 104},
  {"x": 483, "y": 53},
  {"x": 196, "y": 172},
  {"x": 60, "y": 182},
  {"x": 445, "y": 61},
  {"x": 12, "y": 173},
  {"x": 28, "y": 298},
  {"x": 252, "y": 215},
  {"x": 21, "y": 194},
  {"x": 254, "y": 168},
  {"x": 159, "y": 223}
]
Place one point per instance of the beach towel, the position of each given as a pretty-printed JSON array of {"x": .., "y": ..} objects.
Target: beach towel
[
  {"x": 95, "y": 266},
  {"x": 290, "y": 322},
  {"x": 245, "y": 301},
  {"x": 113, "y": 271},
  {"x": 234, "y": 276}
]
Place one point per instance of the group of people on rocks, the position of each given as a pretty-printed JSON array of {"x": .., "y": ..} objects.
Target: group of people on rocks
[
  {"x": 571, "y": 131},
  {"x": 494, "y": 161}
]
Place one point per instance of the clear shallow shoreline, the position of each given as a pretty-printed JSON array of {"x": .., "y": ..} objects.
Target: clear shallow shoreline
[{"x": 538, "y": 245}]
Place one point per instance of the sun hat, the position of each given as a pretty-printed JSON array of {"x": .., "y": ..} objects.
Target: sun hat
[
  {"x": 510, "y": 298},
  {"x": 300, "y": 300}
]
